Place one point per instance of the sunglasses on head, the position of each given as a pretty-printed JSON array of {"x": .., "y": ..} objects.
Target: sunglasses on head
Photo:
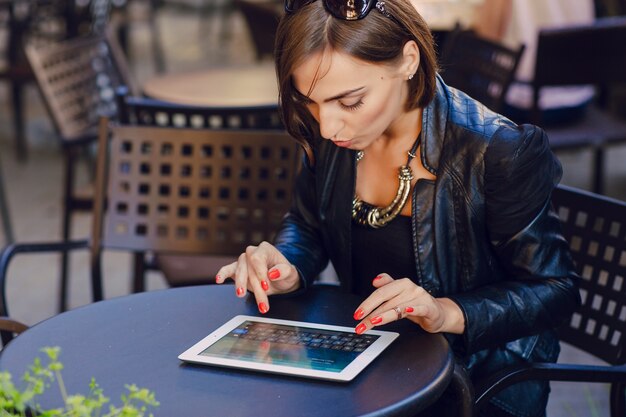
[{"x": 342, "y": 9}]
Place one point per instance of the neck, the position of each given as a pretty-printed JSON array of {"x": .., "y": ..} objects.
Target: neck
[{"x": 400, "y": 135}]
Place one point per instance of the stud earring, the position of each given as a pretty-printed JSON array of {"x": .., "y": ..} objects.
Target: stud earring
[{"x": 410, "y": 76}]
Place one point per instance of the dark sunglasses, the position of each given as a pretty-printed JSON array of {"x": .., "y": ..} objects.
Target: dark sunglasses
[{"x": 342, "y": 9}]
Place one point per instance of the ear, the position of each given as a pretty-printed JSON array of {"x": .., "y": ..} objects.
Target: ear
[{"x": 410, "y": 60}]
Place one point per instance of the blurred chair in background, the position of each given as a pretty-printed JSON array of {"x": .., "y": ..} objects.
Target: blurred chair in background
[
  {"x": 479, "y": 67},
  {"x": 181, "y": 269},
  {"x": 595, "y": 227},
  {"x": 262, "y": 21},
  {"x": 77, "y": 79},
  {"x": 593, "y": 54},
  {"x": 181, "y": 191},
  {"x": 43, "y": 22}
]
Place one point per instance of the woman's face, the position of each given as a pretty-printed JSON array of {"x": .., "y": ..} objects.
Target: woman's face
[{"x": 355, "y": 102}]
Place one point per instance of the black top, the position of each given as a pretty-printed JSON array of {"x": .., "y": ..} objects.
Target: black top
[{"x": 388, "y": 249}]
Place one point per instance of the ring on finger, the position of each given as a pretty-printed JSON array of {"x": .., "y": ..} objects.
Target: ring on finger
[{"x": 398, "y": 312}]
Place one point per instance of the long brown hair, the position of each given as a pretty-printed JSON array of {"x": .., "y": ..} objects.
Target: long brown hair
[{"x": 376, "y": 38}]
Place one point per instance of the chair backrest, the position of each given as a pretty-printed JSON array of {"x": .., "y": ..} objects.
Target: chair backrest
[
  {"x": 78, "y": 79},
  {"x": 191, "y": 191},
  {"x": 10, "y": 328},
  {"x": 595, "y": 227},
  {"x": 148, "y": 112},
  {"x": 262, "y": 21},
  {"x": 593, "y": 53},
  {"x": 481, "y": 68}
]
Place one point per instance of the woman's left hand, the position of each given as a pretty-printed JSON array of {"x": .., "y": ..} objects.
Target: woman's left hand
[{"x": 402, "y": 298}]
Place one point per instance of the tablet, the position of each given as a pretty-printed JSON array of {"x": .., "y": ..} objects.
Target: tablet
[{"x": 290, "y": 347}]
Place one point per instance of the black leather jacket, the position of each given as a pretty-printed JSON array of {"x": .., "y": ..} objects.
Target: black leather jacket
[{"x": 496, "y": 247}]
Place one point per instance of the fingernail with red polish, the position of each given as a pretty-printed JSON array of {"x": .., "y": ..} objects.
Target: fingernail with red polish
[
  {"x": 376, "y": 320},
  {"x": 217, "y": 278},
  {"x": 239, "y": 291},
  {"x": 263, "y": 308},
  {"x": 409, "y": 309},
  {"x": 273, "y": 274},
  {"x": 360, "y": 328},
  {"x": 265, "y": 285},
  {"x": 358, "y": 315},
  {"x": 377, "y": 278}
]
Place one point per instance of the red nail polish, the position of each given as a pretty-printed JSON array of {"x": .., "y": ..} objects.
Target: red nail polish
[
  {"x": 360, "y": 328},
  {"x": 358, "y": 315},
  {"x": 263, "y": 308},
  {"x": 409, "y": 309},
  {"x": 273, "y": 274},
  {"x": 377, "y": 278},
  {"x": 376, "y": 320},
  {"x": 217, "y": 278},
  {"x": 239, "y": 291},
  {"x": 265, "y": 285}
]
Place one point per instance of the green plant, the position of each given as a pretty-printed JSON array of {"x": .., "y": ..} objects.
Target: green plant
[{"x": 20, "y": 403}]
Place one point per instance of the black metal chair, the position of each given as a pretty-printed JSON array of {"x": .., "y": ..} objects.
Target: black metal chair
[
  {"x": 184, "y": 269},
  {"x": 581, "y": 55},
  {"x": 262, "y": 21},
  {"x": 10, "y": 328},
  {"x": 78, "y": 79},
  {"x": 180, "y": 191},
  {"x": 595, "y": 227},
  {"x": 479, "y": 67}
]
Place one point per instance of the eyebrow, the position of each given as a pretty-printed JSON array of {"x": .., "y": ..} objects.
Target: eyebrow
[{"x": 337, "y": 97}]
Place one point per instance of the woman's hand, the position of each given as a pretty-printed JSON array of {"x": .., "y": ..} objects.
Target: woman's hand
[
  {"x": 402, "y": 298},
  {"x": 262, "y": 270}
]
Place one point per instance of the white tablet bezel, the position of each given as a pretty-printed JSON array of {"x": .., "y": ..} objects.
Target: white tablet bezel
[{"x": 347, "y": 374}]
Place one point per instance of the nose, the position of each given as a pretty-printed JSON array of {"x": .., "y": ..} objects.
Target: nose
[{"x": 329, "y": 121}]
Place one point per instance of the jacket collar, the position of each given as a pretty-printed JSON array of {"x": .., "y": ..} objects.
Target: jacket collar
[{"x": 434, "y": 123}]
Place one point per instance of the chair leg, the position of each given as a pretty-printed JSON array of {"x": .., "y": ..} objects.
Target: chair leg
[
  {"x": 4, "y": 212},
  {"x": 464, "y": 391},
  {"x": 17, "y": 90},
  {"x": 618, "y": 400},
  {"x": 598, "y": 174},
  {"x": 68, "y": 181},
  {"x": 139, "y": 271}
]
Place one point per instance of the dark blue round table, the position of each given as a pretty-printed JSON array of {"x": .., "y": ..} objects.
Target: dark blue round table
[{"x": 137, "y": 338}]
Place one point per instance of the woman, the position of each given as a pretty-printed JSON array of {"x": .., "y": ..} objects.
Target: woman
[{"x": 430, "y": 206}]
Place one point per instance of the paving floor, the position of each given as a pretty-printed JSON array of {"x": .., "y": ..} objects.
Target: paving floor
[{"x": 190, "y": 42}]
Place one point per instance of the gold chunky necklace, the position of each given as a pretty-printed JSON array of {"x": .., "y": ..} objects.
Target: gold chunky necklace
[{"x": 367, "y": 214}]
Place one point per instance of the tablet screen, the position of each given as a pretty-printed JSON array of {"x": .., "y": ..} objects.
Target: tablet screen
[{"x": 301, "y": 347}]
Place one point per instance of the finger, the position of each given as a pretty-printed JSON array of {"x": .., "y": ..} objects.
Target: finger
[
  {"x": 381, "y": 279},
  {"x": 278, "y": 272},
  {"x": 241, "y": 276},
  {"x": 388, "y": 316},
  {"x": 226, "y": 272},
  {"x": 258, "y": 261},
  {"x": 254, "y": 284},
  {"x": 379, "y": 300},
  {"x": 417, "y": 311}
]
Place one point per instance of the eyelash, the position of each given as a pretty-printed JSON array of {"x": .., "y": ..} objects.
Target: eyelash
[{"x": 352, "y": 107}]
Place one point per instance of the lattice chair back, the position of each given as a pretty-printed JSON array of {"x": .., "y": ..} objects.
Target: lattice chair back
[
  {"x": 191, "y": 191},
  {"x": 595, "y": 227},
  {"x": 479, "y": 67},
  {"x": 148, "y": 112},
  {"x": 78, "y": 79}
]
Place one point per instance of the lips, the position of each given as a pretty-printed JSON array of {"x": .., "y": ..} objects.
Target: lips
[{"x": 342, "y": 143}]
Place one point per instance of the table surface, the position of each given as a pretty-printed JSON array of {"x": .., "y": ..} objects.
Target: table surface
[
  {"x": 237, "y": 86},
  {"x": 137, "y": 339}
]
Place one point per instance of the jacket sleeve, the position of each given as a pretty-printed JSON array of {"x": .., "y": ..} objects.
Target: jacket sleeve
[
  {"x": 299, "y": 238},
  {"x": 538, "y": 289}
]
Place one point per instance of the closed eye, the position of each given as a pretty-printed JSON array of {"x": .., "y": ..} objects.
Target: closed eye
[{"x": 351, "y": 107}]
